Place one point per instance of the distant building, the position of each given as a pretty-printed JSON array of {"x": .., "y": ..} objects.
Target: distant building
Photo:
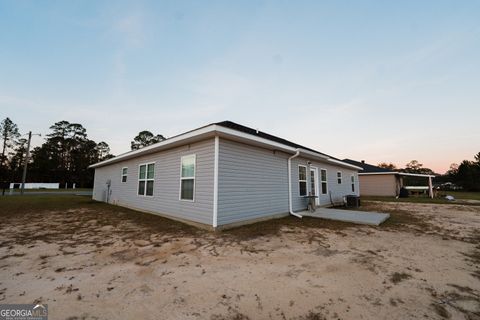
[
  {"x": 377, "y": 181},
  {"x": 35, "y": 185}
]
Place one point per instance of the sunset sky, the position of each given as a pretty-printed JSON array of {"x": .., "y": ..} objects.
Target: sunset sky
[{"x": 383, "y": 81}]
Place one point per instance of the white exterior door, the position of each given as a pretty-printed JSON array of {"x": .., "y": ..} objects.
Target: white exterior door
[{"x": 314, "y": 184}]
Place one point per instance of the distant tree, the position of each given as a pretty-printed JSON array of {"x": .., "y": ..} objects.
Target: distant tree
[
  {"x": 468, "y": 175},
  {"x": 66, "y": 155},
  {"x": 17, "y": 160},
  {"x": 477, "y": 158},
  {"x": 416, "y": 167},
  {"x": 145, "y": 138},
  {"x": 9, "y": 133},
  {"x": 413, "y": 166},
  {"x": 453, "y": 170},
  {"x": 103, "y": 151},
  {"x": 57, "y": 146},
  {"x": 385, "y": 165}
]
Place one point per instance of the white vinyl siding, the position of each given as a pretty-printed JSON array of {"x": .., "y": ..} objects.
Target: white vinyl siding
[
  {"x": 252, "y": 182},
  {"x": 166, "y": 184},
  {"x": 335, "y": 191}
]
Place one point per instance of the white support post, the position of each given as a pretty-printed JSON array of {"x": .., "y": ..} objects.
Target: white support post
[{"x": 430, "y": 187}]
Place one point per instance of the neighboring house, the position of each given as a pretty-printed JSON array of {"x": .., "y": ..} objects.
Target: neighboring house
[
  {"x": 223, "y": 174},
  {"x": 377, "y": 181}
]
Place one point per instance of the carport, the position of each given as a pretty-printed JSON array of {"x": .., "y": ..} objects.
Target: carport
[{"x": 378, "y": 181}]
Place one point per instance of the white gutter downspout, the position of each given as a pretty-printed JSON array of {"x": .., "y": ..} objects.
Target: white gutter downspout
[
  {"x": 290, "y": 184},
  {"x": 215, "y": 183}
]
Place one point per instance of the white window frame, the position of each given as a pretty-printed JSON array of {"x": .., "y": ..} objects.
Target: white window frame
[
  {"x": 352, "y": 180},
  {"x": 321, "y": 181},
  {"x": 124, "y": 175},
  {"x": 188, "y": 178},
  {"x": 306, "y": 180},
  {"x": 146, "y": 179},
  {"x": 339, "y": 177}
]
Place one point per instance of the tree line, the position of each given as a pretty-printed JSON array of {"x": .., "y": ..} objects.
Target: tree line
[
  {"x": 465, "y": 175},
  {"x": 63, "y": 157}
]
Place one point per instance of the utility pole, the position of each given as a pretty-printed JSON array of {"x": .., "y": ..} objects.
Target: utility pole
[
  {"x": 24, "y": 176},
  {"x": 27, "y": 155}
]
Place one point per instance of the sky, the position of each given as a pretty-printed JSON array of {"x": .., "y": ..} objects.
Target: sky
[{"x": 380, "y": 81}]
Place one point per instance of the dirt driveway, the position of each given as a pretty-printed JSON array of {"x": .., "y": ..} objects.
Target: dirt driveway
[{"x": 103, "y": 262}]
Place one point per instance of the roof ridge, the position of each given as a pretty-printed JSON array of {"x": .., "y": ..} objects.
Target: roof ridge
[{"x": 261, "y": 134}]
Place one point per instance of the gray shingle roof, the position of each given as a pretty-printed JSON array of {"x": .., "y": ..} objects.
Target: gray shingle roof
[
  {"x": 242, "y": 128},
  {"x": 367, "y": 168}
]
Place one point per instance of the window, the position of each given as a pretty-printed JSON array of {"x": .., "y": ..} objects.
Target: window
[
  {"x": 124, "y": 174},
  {"x": 146, "y": 174},
  {"x": 353, "y": 183},
  {"x": 187, "y": 178},
  {"x": 323, "y": 179},
  {"x": 339, "y": 177},
  {"x": 302, "y": 180},
  {"x": 313, "y": 179}
]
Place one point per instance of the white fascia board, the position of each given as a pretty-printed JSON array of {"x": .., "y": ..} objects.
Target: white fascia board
[
  {"x": 416, "y": 175},
  {"x": 313, "y": 154},
  {"x": 375, "y": 173},
  {"x": 341, "y": 163},
  {"x": 399, "y": 173}
]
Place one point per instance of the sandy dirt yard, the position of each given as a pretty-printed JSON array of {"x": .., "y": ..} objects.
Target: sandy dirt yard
[{"x": 103, "y": 262}]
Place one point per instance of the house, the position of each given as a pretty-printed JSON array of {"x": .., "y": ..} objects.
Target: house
[
  {"x": 223, "y": 174},
  {"x": 377, "y": 181}
]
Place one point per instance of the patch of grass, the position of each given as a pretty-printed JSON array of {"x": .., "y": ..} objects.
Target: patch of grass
[
  {"x": 441, "y": 311},
  {"x": 72, "y": 213},
  {"x": 23, "y": 210},
  {"x": 312, "y": 316},
  {"x": 400, "y": 220},
  {"x": 13, "y": 205},
  {"x": 459, "y": 195},
  {"x": 273, "y": 227},
  {"x": 463, "y": 195},
  {"x": 420, "y": 200},
  {"x": 55, "y": 190},
  {"x": 398, "y": 277},
  {"x": 233, "y": 315}
]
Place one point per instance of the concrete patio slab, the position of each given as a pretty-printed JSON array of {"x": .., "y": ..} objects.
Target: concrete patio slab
[{"x": 354, "y": 216}]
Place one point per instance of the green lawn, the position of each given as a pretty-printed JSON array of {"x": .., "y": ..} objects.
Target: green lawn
[
  {"x": 463, "y": 194},
  {"x": 25, "y": 203},
  {"x": 52, "y": 190},
  {"x": 460, "y": 196}
]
